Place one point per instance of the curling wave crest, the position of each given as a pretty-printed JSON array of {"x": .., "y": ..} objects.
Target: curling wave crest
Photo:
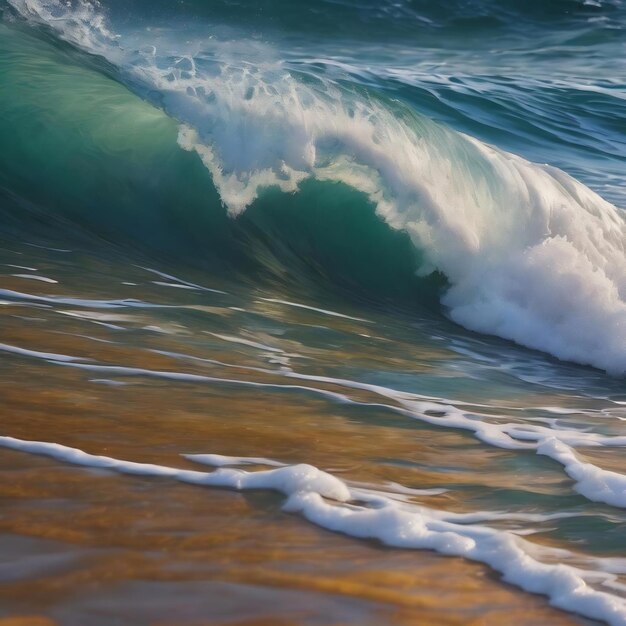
[{"x": 531, "y": 254}]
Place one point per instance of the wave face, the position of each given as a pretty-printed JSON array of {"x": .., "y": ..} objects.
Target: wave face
[{"x": 529, "y": 253}]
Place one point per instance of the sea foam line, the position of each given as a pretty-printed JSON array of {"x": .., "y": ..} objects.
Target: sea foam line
[
  {"x": 332, "y": 504},
  {"x": 590, "y": 481}
]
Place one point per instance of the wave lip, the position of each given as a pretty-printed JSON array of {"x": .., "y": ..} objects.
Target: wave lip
[{"x": 531, "y": 254}]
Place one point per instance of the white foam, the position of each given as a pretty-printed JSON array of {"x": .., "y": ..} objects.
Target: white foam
[
  {"x": 34, "y": 245},
  {"x": 179, "y": 282},
  {"x": 22, "y": 267},
  {"x": 531, "y": 254},
  {"x": 48, "y": 356},
  {"x": 98, "y": 316},
  {"x": 116, "y": 370},
  {"x": 108, "y": 382},
  {"x": 592, "y": 482},
  {"x": 161, "y": 283},
  {"x": 288, "y": 480},
  {"x": 245, "y": 342},
  {"x": 558, "y": 443},
  {"x": 219, "y": 460},
  {"x": 297, "y": 305},
  {"x": 332, "y": 504},
  {"x": 43, "y": 279},
  {"x": 81, "y": 302}
]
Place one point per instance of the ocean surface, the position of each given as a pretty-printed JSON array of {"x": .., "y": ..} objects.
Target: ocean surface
[{"x": 312, "y": 312}]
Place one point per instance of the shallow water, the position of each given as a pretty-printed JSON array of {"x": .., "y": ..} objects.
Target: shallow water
[
  {"x": 90, "y": 544},
  {"x": 308, "y": 238}
]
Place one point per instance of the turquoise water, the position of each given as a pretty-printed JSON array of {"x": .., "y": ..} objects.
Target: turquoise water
[{"x": 399, "y": 217}]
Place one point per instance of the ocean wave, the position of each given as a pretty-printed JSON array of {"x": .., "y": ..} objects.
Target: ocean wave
[{"x": 529, "y": 253}]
